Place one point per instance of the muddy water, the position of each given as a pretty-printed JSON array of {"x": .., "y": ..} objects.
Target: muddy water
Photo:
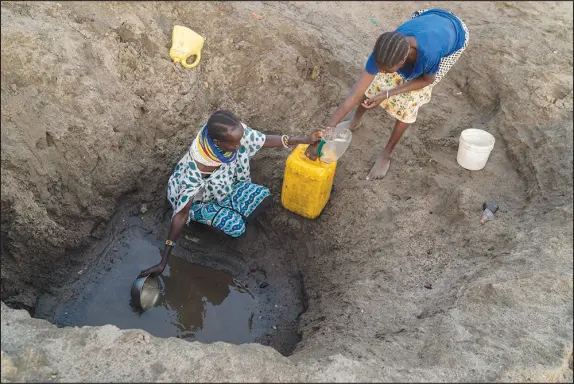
[{"x": 197, "y": 303}]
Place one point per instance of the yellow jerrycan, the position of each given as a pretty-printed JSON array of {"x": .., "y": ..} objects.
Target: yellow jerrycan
[
  {"x": 307, "y": 184},
  {"x": 184, "y": 44}
]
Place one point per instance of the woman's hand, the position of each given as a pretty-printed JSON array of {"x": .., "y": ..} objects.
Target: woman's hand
[
  {"x": 154, "y": 271},
  {"x": 311, "y": 151},
  {"x": 317, "y": 135},
  {"x": 374, "y": 101}
]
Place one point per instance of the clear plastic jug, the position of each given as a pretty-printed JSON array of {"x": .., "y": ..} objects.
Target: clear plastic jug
[
  {"x": 335, "y": 143},
  {"x": 185, "y": 43}
]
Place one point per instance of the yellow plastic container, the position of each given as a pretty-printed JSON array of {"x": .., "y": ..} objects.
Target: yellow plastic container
[
  {"x": 307, "y": 184},
  {"x": 184, "y": 44}
]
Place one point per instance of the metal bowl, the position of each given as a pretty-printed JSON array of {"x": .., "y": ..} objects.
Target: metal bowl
[{"x": 145, "y": 292}]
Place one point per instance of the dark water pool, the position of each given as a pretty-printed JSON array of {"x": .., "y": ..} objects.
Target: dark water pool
[{"x": 197, "y": 303}]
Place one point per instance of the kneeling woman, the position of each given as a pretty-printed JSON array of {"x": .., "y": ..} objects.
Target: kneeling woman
[{"x": 211, "y": 184}]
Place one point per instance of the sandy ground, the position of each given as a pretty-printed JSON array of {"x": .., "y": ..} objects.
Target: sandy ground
[{"x": 94, "y": 113}]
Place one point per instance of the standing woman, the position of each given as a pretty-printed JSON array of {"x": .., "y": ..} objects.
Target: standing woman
[{"x": 400, "y": 74}]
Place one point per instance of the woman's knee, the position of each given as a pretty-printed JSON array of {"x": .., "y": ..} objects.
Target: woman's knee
[{"x": 262, "y": 207}]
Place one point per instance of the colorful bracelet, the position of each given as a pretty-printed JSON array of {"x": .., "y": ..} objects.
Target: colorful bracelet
[{"x": 170, "y": 243}]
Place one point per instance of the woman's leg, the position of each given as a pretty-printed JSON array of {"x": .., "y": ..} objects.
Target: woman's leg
[
  {"x": 383, "y": 163},
  {"x": 359, "y": 112},
  {"x": 248, "y": 199},
  {"x": 218, "y": 218},
  {"x": 263, "y": 206}
]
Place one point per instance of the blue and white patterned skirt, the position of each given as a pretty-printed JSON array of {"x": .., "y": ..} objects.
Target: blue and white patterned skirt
[{"x": 229, "y": 215}]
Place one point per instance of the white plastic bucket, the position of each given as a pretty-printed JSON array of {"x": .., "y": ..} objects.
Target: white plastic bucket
[{"x": 474, "y": 148}]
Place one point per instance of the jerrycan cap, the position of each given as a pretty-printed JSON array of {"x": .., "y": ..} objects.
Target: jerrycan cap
[{"x": 320, "y": 148}]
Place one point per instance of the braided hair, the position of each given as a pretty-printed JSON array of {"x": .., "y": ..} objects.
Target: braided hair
[
  {"x": 220, "y": 123},
  {"x": 390, "y": 49}
]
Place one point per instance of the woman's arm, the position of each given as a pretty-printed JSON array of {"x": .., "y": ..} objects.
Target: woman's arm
[
  {"x": 177, "y": 223},
  {"x": 353, "y": 97},
  {"x": 411, "y": 85},
  {"x": 276, "y": 141}
]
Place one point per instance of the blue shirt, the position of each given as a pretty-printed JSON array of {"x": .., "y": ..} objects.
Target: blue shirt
[{"x": 439, "y": 33}]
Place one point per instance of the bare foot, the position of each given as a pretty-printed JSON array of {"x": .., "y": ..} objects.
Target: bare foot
[{"x": 380, "y": 168}]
